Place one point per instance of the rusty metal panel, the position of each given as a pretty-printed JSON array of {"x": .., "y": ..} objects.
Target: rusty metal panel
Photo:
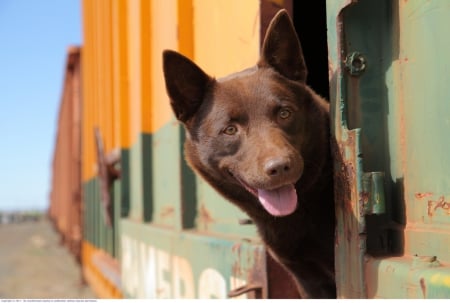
[
  {"x": 389, "y": 110},
  {"x": 423, "y": 67},
  {"x": 350, "y": 239}
]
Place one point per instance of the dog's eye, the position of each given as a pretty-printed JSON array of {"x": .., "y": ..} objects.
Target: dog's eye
[
  {"x": 284, "y": 113},
  {"x": 230, "y": 130}
]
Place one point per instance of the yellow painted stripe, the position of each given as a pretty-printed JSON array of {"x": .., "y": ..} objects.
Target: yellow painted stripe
[
  {"x": 226, "y": 35},
  {"x": 139, "y": 66},
  {"x": 186, "y": 28},
  {"x": 120, "y": 72},
  {"x": 146, "y": 64},
  {"x": 134, "y": 80},
  {"x": 105, "y": 81},
  {"x": 164, "y": 36}
]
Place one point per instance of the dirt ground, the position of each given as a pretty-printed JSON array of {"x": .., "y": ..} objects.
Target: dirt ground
[{"x": 34, "y": 266}]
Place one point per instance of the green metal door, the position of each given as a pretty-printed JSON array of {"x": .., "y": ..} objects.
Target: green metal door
[{"x": 389, "y": 71}]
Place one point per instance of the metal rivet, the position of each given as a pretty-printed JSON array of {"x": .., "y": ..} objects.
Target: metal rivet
[{"x": 355, "y": 63}]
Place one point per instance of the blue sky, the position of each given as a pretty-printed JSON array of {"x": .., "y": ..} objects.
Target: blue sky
[{"x": 34, "y": 36}]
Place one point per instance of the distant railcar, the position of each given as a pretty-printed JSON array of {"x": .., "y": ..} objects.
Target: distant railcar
[{"x": 65, "y": 209}]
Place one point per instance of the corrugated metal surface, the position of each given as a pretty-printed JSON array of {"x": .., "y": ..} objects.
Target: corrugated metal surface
[
  {"x": 65, "y": 198},
  {"x": 389, "y": 94},
  {"x": 105, "y": 108}
]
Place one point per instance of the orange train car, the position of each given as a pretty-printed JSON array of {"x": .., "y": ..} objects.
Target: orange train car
[{"x": 65, "y": 209}]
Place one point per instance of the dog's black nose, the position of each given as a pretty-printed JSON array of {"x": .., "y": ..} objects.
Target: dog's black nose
[{"x": 277, "y": 166}]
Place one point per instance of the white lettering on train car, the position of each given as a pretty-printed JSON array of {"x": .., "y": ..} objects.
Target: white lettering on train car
[
  {"x": 211, "y": 285},
  {"x": 183, "y": 281},
  {"x": 148, "y": 272}
]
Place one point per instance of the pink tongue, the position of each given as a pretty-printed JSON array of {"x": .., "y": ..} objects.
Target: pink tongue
[{"x": 279, "y": 202}]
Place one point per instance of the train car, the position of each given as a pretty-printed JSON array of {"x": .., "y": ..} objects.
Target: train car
[
  {"x": 153, "y": 229},
  {"x": 65, "y": 209},
  {"x": 166, "y": 233}
]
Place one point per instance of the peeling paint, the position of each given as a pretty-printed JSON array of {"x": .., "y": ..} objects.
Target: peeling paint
[
  {"x": 423, "y": 195},
  {"x": 440, "y": 204}
]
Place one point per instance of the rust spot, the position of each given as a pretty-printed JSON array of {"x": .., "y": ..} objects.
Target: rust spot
[
  {"x": 344, "y": 174},
  {"x": 167, "y": 211},
  {"x": 236, "y": 247},
  {"x": 362, "y": 204},
  {"x": 205, "y": 216},
  {"x": 423, "y": 287},
  {"x": 364, "y": 197},
  {"x": 236, "y": 268},
  {"x": 433, "y": 206},
  {"x": 423, "y": 195}
]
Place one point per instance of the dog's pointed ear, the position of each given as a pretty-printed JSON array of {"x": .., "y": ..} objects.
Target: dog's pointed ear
[
  {"x": 281, "y": 48},
  {"x": 186, "y": 84}
]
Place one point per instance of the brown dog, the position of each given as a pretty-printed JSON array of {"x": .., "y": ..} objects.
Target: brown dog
[{"x": 260, "y": 137}]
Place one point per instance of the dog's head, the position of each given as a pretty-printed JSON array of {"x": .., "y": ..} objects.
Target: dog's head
[{"x": 248, "y": 134}]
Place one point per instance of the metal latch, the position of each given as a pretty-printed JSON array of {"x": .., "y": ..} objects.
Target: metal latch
[
  {"x": 245, "y": 289},
  {"x": 373, "y": 194}
]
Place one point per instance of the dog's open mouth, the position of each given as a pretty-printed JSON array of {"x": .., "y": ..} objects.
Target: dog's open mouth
[{"x": 278, "y": 202}]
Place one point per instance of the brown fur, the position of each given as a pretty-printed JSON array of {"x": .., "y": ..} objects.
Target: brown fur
[{"x": 238, "y": 134}]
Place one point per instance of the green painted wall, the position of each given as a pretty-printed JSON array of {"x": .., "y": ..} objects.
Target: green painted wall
[
  {"x": 395, "y": 114},
  {"x": 160, "y": 263},
  {"x": 140, "y": 163},
  {"x": 95, "y": 229}
]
